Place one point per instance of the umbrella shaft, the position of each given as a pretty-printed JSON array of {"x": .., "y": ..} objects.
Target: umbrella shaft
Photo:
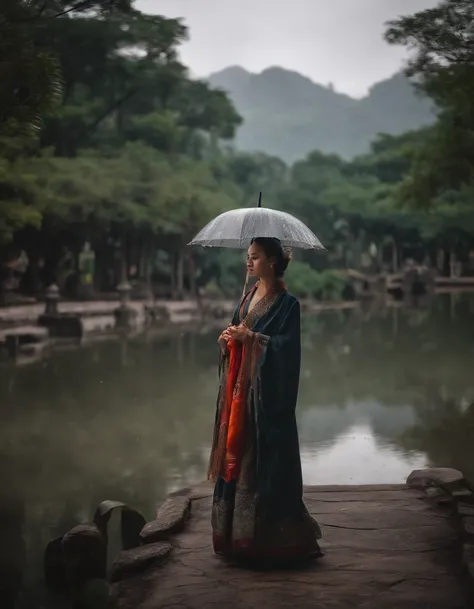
[{"x": 245, "y": 284}]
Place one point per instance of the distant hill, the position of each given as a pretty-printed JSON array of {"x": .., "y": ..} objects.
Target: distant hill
[{"x": 288, "y": 115}]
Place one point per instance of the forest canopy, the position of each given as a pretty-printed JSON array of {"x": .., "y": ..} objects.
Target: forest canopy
[{"x": 106, "y": 139}]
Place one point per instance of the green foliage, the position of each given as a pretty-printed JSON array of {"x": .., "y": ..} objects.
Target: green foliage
[
  {"x": 21, "y": 199},
  {"x": 253, "y": 173},
  {"x": 30, "y": 78},
  {"x": 134, "y": 158},
  {"x": 442, "y": 39},
  {"x": 58, "y": 8},
  {"x": 224, "y": 272},
  {"x": 124, "y": 159},
  {"x": 138, "y": 188},
  {"x": 31, "y": 72},
  {"x": 326, "y": 285},
  {"x": 302, "y": 279},
  {"x": 390, "y": 156},
  {"x": 213, "y": 290}
]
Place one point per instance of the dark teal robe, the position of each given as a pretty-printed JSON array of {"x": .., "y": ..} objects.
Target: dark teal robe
[{"x": 272, "y": 485}]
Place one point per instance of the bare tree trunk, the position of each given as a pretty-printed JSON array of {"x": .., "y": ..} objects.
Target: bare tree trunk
[
  {"x": 124, "y": 258},
  {"x": 358, "y": 246},
  {"x": 173, "y": 281},
  {"x": 395, "y": 257},
  {"x": 452, "y": 263},
  {"x": 145, "y": 265},
  {"x": 123, "y": 264},
  {"x": 192, "y": 275},
  {"x": 180, "y": 273},
  {"x": 149, "y": 270},
  {"x": 440, "y": 261}
]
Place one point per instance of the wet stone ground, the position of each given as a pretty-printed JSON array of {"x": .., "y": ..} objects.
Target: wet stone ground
[{"x": 387, "y": 546}]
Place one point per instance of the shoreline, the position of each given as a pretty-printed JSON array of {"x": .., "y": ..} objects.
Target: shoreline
[
  {"x": 29, "y": 309},
  {"x": 385, "y": 535},
  {"x": 74, "y": 324},
  {"x": 172, "y": 311},
  {"x": 24, "y": 340},
  {"x": 385, "y": 540}
]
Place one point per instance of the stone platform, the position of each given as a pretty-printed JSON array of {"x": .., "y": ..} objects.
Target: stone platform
[{"x": 390, "y": 546}]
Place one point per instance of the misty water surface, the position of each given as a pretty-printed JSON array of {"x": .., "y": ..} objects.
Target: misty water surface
[{"x": 382, "y": 392}]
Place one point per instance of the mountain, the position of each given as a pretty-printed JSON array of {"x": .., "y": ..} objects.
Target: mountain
[{"x": 288, "y": 115}]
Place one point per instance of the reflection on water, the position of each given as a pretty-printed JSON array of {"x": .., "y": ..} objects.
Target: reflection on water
[
  {"x": 382, "y": 392},
  {"x": 357, "y": 456}
]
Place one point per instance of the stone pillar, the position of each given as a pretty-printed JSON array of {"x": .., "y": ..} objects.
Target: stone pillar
[
  {"x": 84, "y": 552},
  {"x": 60, "y": 325},
  {"x": 52, "y": 298},
  {"x": 12, "y": 343},
  {"x": 124, "y": 290},
  {"x": 125, "y": 315}
]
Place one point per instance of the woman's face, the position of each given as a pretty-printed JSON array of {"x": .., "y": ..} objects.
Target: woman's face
[{"x": 258, "y": 265}]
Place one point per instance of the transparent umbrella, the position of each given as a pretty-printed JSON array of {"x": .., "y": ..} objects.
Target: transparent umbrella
[{"x": 237, "y": 228}]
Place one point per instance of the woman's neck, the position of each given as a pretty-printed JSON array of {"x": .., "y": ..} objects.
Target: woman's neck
[{"x": 267, "y": 284}]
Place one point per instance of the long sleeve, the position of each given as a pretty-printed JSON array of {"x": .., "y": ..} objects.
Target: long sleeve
[{"x": 275, "y": 398}]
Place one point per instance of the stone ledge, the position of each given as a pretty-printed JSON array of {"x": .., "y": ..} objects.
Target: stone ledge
[
  {"x": 170, "y": 519},
  {"x": 441, "y": 477},
  {"x": 441, "y": 497},
  {"x": 442, "y": 485},
  {"x": 138, "y": 559},
  {"x": 84, "y": 551},
  {"x": 446, "y": 485},
  {"x": 396, "y": 542},
  {"x": 198, "y": 491},
  {"x": 465, "y": 509},
  {"x": 468, "y": 523},
  {"x": 468, "y": 557}
]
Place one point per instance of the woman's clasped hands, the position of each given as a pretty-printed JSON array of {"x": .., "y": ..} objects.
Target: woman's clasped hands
[{"x": 239, "y": 333}]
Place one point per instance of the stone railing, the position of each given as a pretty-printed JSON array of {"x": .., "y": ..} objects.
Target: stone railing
[
  {"x": 170, "y": 519},
  {"x": 156, "y": 543}
]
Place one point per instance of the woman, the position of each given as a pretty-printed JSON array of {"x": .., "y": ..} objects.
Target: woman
[{"x": 258, "y": 510}]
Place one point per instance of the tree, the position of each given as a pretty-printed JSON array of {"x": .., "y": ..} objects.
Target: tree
[
  {"x": 127, "y": 142},
  {"x": 47, "y": 9},
  {"x": 19, "y": 205},
  {"x": 442, "y": 39},
  {"x": 135, "y": 159},
  {"x": 30, "y": 77},
  {"x": 30, "y": 72},
  {"x": 113, "y": 69}
]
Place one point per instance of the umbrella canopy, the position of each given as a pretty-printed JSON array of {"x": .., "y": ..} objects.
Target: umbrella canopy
[{"x": 237, "y": 228}]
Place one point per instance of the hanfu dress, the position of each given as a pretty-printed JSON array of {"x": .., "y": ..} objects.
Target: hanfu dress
[{"x": 258, "y": 510}]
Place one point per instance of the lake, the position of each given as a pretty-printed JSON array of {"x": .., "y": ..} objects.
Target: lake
[{"x": 383, "y": 390}]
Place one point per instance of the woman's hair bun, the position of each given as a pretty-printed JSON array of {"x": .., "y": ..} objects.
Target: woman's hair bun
[
  {"x": 286, "y": 259},
  {"x": 273, "y": 249}
]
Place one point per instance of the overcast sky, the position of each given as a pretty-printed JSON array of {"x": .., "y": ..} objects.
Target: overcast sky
[{"x": 337, "y": 41}]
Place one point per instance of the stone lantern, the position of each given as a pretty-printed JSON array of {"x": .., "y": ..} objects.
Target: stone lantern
[
  {"x": 125, "y": 315},
  {"x": 52, "y": 298}
]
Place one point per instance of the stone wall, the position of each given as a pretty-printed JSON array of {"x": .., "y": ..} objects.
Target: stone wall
[
  {"x": 170, "y": 519},
  {"x": 161, "y": 541},
  {"x": 442, "y": 486},
  {"x": 449, "y": 487}
]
